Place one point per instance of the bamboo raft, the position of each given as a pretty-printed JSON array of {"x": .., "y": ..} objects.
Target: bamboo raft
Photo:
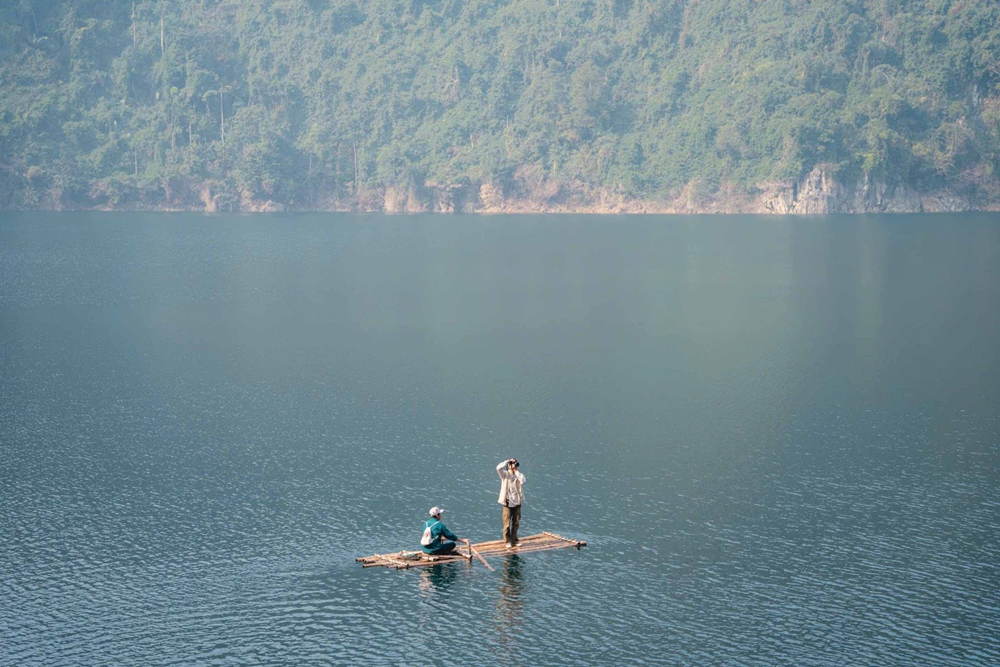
[{"x": 404, "y": 560}]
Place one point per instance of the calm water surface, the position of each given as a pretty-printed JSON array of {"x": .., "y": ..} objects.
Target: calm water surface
[{"x": 780, "y": 437}]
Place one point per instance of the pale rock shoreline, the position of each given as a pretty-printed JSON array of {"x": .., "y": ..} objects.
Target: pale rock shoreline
[{"x": 818, "y": 193}]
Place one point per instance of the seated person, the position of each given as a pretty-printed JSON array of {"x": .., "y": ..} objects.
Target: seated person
[{"x": 435, "y": 533}]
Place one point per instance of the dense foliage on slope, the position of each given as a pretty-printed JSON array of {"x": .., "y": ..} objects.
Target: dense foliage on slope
[{"x": 318, "y": 103}]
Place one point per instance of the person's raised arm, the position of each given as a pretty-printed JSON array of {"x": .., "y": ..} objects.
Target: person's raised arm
[{"x": 502, "y": 468}]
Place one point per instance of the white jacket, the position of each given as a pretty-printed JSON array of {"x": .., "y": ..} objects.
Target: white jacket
[{"x": 516, "y": 478}]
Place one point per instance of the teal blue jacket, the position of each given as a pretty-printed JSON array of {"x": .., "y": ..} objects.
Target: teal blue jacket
[{"x": 438, "y": 531}]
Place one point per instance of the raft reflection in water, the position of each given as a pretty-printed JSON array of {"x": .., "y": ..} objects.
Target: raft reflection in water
[
  {"x": 436, "y": 579},
  {"x": 510, "y": 605}
]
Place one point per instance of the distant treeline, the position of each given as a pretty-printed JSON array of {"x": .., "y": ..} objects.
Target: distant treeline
[{"x": 330, "y": 103}]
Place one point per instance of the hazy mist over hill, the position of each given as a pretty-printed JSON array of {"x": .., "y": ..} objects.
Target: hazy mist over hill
[{"x": 606, "y": 105}]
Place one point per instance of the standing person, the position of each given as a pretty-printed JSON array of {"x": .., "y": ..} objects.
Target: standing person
[
  {"x": 435, "y": 533},
  {"x": 511, "y": 497}
]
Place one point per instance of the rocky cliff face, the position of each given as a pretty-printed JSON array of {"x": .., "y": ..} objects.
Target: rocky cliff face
[
  {"x": 428, "y": 198},
  {"x": 820, "y": 193}
]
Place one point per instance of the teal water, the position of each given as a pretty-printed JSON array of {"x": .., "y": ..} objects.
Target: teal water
[{"x": 780, "y": 438}]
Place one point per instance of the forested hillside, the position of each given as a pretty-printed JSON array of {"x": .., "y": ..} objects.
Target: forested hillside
[{"x": 494, "y": 104}]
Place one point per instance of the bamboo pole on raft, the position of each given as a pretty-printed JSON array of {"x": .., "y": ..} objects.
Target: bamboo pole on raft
[{"x": 481, "y": 559}]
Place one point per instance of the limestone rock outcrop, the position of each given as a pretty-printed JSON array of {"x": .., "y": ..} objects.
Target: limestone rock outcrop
[{"x": 821, "y": 193}]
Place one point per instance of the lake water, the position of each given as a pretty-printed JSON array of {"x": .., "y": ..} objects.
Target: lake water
[{"x": 780, "y": 437}]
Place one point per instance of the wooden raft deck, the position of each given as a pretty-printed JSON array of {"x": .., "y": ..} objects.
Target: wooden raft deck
[{"x": 403, "y": 560}]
